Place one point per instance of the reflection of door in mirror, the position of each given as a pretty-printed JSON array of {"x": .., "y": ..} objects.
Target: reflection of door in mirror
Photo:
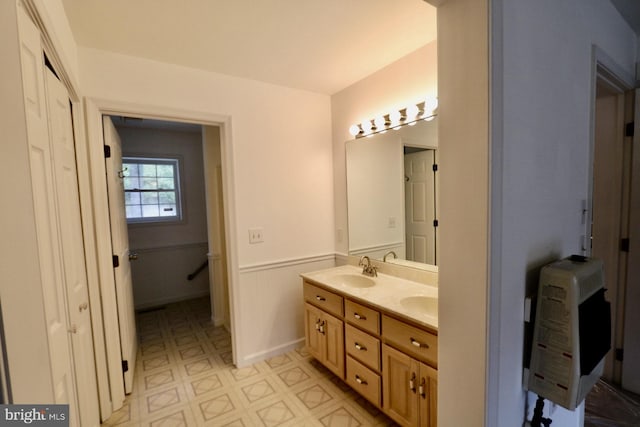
[{"x": 419, "y": 195}]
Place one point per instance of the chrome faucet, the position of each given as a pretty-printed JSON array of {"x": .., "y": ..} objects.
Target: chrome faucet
[
  {"x": 384, "y": 258},
  {"x": 368, "y": 269}
]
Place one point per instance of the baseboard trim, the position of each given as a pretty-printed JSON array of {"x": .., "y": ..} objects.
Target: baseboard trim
[{"x": 266, "y": 354}]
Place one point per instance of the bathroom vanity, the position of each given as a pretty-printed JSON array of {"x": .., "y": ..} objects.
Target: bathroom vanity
[{"x": 378, "y": 334}]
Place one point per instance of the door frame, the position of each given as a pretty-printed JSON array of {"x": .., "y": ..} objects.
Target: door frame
[
  {"x": 606, "y": 71},
  {"x": 110, "y": 373}
]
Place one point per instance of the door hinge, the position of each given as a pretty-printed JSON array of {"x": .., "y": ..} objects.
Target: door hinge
[
  {"x": 628, "y": 129},
  {"x": 435, "y": 167},
  {"x": 435, "y": 222},
  {"x": 116, "y": 261},
  {"x": 107, "y": 151},
  {"x": 619, "y": 354},
  {"x": 624, "y": 244},
  {"x": 125, "y": 366}
]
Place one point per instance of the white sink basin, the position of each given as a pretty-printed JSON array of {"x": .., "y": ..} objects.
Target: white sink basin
[
  {"x": 353, "y": 280},
  {"x": 420, "y": 305}
]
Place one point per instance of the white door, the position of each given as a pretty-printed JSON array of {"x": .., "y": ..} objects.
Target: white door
[
  {"x": 631, "y": 360},
  {"x": 70, "y": 225},
  {"x": 420, "y": 206},
  {"x": 120, "y": 244},
  {"x": 46, "y": 224}
]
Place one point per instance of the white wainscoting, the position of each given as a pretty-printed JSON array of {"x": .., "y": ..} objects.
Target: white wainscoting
[
  {"x": 271, "y": 318},
  {"x": 160, "y": 274}
]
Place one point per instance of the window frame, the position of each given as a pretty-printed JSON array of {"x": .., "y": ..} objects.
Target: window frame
[{"x": 177, "y": 162}]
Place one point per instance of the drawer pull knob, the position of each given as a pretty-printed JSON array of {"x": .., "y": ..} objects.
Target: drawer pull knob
[
  {"x": 359, "y": 317},
  {"x": 360, "y": 380},
  {"x": 418, "y": 343},
  {"x": 319, "y": 298},
  {"x": 412, "y": 382},
  {"x": 360, "y": 347}
]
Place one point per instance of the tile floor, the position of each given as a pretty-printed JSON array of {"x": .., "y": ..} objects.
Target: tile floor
[{"x": 185, "y": 377}]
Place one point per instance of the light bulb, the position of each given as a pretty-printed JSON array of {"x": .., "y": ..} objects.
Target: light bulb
[
  {"x": 354, "y": 130},
  {"x": 430, "y": 104},
  {"x": 412, "y": 112},
  {"x": 366, "y": 126}
]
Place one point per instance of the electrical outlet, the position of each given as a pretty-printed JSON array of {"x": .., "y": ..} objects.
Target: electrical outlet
[
  {"x": 256, "y": 235},
  {"x": 392, "y": 222}
]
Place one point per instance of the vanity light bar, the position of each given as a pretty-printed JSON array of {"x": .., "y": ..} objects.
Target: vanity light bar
[{"x": 407, "y": 116}]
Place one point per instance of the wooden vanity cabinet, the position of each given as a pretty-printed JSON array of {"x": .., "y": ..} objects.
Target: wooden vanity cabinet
[
  {"x": 410, "y": 389},
  {"x": 362, "y": 345},
  {"x": 410, "y": 378},
  {"x": 390, "y": 362},
  {"x": 324, "y": 332}
]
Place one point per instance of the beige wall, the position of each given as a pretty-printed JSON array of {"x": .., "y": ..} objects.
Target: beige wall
[{"x": 464, "y": 213}]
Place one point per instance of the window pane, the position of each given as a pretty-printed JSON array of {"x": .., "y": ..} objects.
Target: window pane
[
  {"x": 149, "y": 183},
  {"x": 167, "y": 197},
  {"x": 165, "y": 183},
  {"x": 131, "y": 198},
  {"x": 134, "y": 212},
  {"x": 148, "y": 170},
  {"x": 165, "y": 171},
  {"x": 150, "y": 211},
  {"x": 131, "y": 169},
  {"x": 168, "y": 210},
  {"x": 131, "y": 183},
  {"x": 149, "y": 198}
]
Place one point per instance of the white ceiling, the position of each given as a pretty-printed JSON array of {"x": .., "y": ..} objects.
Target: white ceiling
[
  {"x": 321, "y": 46},
  {"x": 630, "y": 11}
]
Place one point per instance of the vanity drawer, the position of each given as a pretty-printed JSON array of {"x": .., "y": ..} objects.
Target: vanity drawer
[
  {"x": 324, "y": 299},
  {"x": 414, "y": 341},
  {"x": 364, "y": 317},
  {"x": 364, "y": 381},
  {"x": 362, "y": 346}
]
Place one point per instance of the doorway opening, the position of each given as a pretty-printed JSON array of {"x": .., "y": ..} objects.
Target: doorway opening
[
  {"x": 212, "y": 142},
  {"x": 614, "y": 210}
]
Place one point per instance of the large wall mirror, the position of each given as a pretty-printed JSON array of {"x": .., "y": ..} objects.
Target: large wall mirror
[{"x": 392, "y": 195}]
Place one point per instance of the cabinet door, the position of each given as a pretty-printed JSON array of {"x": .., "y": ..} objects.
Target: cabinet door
[
  {"x": 400, "y": 386},
  {"x": 428, "y": 391},
  {"x": 333, "y": 334},
  {"x": 313, "y": 338}
]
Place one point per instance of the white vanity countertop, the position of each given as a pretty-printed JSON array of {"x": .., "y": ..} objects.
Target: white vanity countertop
[{"x": 386, "y": 294}]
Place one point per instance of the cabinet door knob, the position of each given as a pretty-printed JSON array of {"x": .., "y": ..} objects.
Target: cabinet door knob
[
  {"x": 360, "y": 380},
  {"x": 359, "y": 317},
  {"x": 418, "y": 344},
  {"x": 83, "y": 306},
  {"x": 412, "y": 382},
  {"x": 73, "y": 329},
  {"x": 421, "y": 389},
  {"x": 319, "y": 298}
]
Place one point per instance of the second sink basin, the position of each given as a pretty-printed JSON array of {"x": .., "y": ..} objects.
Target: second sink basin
[
  {"x": 420, "y": 305},
  {"x": 354, "y": 280}
]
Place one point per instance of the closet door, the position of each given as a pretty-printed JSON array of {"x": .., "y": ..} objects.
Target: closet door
[
  {"x": 71, "y": 240},
  {"x": 46, "y": 219}
]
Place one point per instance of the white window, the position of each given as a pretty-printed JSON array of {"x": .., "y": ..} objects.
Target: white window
[{"x": 152, "y": 189}]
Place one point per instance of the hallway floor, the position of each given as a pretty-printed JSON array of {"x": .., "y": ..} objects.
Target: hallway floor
[{"x": 185, "y": 377}]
